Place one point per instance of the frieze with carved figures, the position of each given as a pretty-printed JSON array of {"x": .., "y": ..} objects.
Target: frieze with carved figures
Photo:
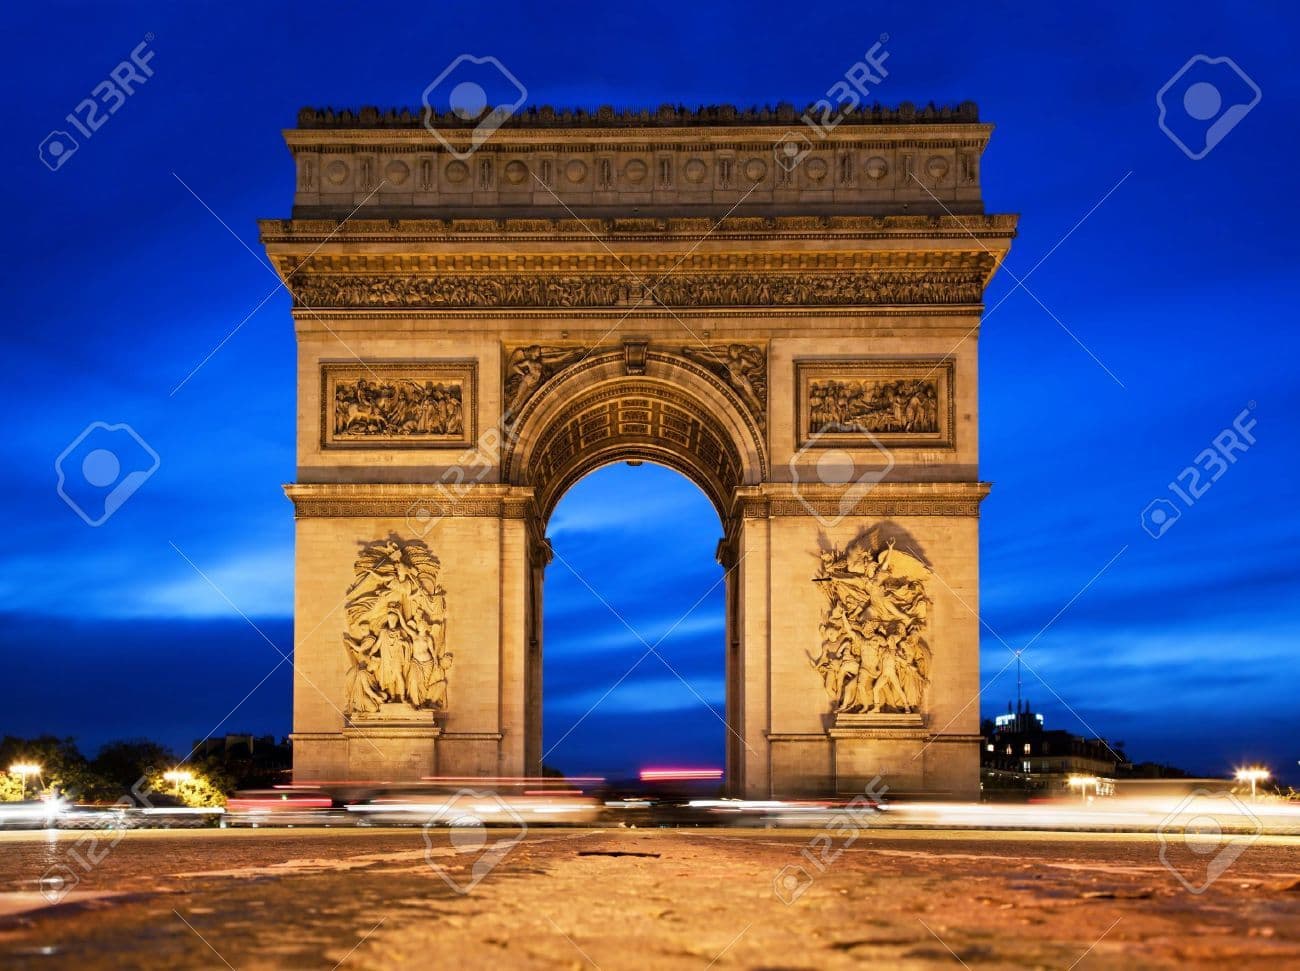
[{"x": 417, "y": 404}]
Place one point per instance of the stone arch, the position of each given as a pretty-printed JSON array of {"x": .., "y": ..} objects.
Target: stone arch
[{"x": 675, "y": 412}]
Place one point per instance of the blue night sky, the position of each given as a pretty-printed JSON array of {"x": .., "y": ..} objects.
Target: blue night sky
[{"x": 1159, "y": 312}]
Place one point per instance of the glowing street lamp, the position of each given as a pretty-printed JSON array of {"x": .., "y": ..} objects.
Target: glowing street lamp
[
  {"x": 177, "y": 777},
  {"x": 1081, "y": 782},
  {"x": 24, "y": 769},
  {"x": 1254, "y": 775}
]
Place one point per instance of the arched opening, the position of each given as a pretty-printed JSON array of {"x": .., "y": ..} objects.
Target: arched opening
[
  {"x": 665, "y": 412},
  {"x": 634, "y": 663}
]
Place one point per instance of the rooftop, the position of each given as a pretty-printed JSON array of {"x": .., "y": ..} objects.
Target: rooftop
[{"x": 665, "y": 116}]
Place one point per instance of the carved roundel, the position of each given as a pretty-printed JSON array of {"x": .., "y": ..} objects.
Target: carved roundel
[
  {"x": 397, "y": 172},
  {"x": 635, "y": 171},
  {"x": 936, "y": 167},
  {"x": 575, "y": 171},
  {"x": 755, "y": 169},
  {"x": 456, "y": 171},
  {"x": 337, "y": 171},
  {"x": 695, "y": 170},
  {"x": 516, "y": 172},
  {"x": 877, "y": 168},
  {"x": 817, "y": 169}
]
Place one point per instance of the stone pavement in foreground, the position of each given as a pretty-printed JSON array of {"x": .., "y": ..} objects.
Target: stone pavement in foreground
[{"x": 650, "y": 899}]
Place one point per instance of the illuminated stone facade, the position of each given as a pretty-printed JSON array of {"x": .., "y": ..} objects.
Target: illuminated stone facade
[{"x": 797, "y": 336}]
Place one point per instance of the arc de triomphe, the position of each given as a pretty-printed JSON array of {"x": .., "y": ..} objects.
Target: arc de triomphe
[{"x": 791, "y": 321}]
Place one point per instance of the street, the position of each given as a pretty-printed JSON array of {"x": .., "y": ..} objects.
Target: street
[{"x": 621, "y": 898}]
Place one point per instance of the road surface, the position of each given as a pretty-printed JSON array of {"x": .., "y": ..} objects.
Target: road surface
[{"x": 654, "y": 898}]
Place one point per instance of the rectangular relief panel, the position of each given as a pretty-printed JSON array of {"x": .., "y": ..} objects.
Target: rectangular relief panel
[
  {"x": 865, "y": 403},
  {"x": 406, "y": 404}
]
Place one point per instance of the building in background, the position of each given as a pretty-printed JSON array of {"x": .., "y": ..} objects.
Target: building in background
[{"x": 1021, "y": 755}]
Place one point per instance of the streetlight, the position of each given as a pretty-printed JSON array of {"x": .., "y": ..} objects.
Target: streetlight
[
  {"x": 1081, "y": 782},
  {"x": 24, "y": 769},
  {"x": 178, "y": 776},
  {"x": 1254, "y": 776}
]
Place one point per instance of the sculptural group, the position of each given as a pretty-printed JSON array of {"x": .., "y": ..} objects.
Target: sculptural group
[
  {"x": 873, "y": 406},
  {"x": 874, "y": 656},
  {"x": 396, "y": 636},
  {"x": 397, "y": 408}
]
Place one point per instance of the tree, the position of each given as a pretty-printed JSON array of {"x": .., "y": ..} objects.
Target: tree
[
  {"x": 123, "y": 763},
  {"x": 63, "y": 768},
  {"x": 198, "y": 791},
  {"x": 11, "y": 787}
]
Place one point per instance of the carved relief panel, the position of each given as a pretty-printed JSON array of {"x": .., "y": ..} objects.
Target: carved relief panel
[
  {"x": 874, "y": 657},
  {"x": 411, "y": 404},
  {"x": 849, "y": 403},
  {"x": 396, "y": 632}
]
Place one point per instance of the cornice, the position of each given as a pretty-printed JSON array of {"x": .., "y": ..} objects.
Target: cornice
[
  {"x": 418, "y": 503},
  {"x": 962, "y": 314},
  {"x": 348, "y": 262},
  {"x": 884, "y": 499},
  {"x": 317, "y": 231}
]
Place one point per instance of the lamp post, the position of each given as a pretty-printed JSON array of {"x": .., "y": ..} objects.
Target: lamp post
[
  {"x": 23, "y": 770},
  {"x": 1081, "y": 782},
  {"x": 1254, "y": 775}
]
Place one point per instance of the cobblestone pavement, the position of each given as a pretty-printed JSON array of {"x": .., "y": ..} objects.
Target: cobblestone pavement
[{"x": 645, "y": 899}]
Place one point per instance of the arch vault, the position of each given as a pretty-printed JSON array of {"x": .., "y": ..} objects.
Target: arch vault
[{"x": 796, "y": 336}]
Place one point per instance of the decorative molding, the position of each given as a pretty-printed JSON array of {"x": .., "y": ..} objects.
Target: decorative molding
[
  {"x": 893, "y": 734},
  {"x": 644, "y": 263},
  {"x": 875, "y": 404},
  {"x": 968, "y": 227},
  {"x": 695, "y": 290},
  {"x": 883, "y": 500},
  {"x": 406, "y": 404},
  {"x": 420, "y": 506}
]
